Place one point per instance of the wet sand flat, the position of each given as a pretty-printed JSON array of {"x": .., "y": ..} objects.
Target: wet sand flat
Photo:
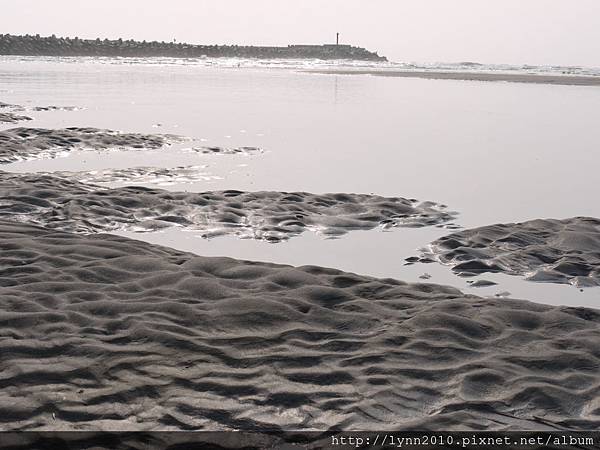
[{"x": 566, "y": 80}]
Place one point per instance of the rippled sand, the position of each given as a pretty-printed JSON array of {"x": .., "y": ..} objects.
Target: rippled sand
[
  {"x": 272, "y": 216},
  {"x": 103, "y": 332},
  {"x": 553, "y": 251},
  {"x": 9, "y": 117},
  {"x": 18, "y": 144}
]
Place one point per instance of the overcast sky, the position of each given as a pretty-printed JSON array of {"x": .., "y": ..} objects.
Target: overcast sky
[{"x": 565, "y": 32}]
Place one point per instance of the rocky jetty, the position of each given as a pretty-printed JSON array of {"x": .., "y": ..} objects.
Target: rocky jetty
[{"x": 56, "y": 46}]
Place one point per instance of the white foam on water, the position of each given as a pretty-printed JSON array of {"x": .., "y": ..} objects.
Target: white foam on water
[{"x": 311, "y": 64}]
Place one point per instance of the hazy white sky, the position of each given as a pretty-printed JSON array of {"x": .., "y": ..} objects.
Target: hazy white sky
[{"x": 565, "y": 32}]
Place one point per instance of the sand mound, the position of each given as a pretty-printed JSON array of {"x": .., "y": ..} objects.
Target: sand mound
[
  {"x": 272, "y": 216},
  {"x": 19, "y": 144},
  {"x": 12, "y": 118},
  {"x": 554, "y": 251},
  {"x": 103, "y": 332}
]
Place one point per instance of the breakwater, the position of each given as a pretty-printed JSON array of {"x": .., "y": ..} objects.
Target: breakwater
[{"x": 57, "y": 46}]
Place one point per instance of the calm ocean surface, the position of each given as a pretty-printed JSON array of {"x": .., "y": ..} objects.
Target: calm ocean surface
[{"x": 494, "y": 152}]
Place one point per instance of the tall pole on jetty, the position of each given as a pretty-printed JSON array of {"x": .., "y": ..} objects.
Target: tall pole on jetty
[{"x": 337, "y": 38}]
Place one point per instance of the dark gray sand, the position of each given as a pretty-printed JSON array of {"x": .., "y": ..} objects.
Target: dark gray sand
[
  {"x": 227, "y": 150},
  {"x": 56, "y": 108},
  {"x": 17, "y": 144},
  {"x": 567, "y": 80},
  {"x": 104, "y": 332},
  {"x": 8, "y": 117},
  {"x": 13, "y": 107},
  {"x": 8, "y": 111},
  {"x": 273, "y": 216},
  {"x": 554, "y": 251},
  {"x": 9, "y": 106},
  {"x": 482, "y": 283}
]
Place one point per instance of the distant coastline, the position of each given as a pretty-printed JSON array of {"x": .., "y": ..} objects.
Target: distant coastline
[{"x": 58, "y": 46}]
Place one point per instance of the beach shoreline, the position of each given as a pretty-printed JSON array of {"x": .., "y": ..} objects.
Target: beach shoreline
[{"x": 564, "y": 80}]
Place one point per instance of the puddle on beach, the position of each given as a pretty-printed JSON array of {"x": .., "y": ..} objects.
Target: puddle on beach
[{"x": 376, "y": 253}]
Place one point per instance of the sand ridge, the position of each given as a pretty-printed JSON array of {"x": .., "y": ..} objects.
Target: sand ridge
[
  {"x": 544, "y": 250},
  {"x": 20, "y": 108},
  {"x": 103, "y": 332},
  {"x": 9, "y": 117},
  {"x": 10, "y": 106},
  {"x": 244, "y": 150},
  {"x": 272, "y": 216},
  {"x": 56, "y": 108},
  {"x": 18, "y": 144}
]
